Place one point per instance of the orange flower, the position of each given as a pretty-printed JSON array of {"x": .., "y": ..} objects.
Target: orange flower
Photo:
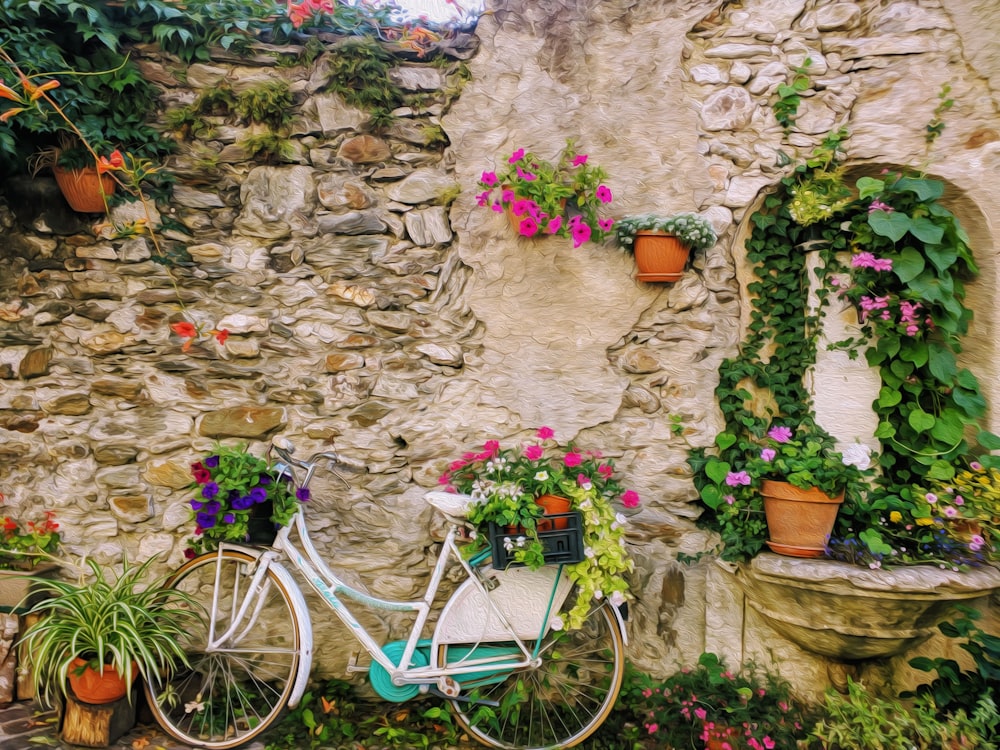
[
  {"x": 6, "y": 92},
  {"x": 117, "y": 161},
  {"x": 222, "y": 335},
  {"x": 184, "y": 329}
]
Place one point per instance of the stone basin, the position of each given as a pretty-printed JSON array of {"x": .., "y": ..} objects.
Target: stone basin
[{"x": 849, "y": 613}]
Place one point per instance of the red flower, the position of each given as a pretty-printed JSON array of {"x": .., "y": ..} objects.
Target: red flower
[
  {"x": 117, "y": 161},
  {"x": 222, "y": 335},
  {"x": 184, "y": 329}
]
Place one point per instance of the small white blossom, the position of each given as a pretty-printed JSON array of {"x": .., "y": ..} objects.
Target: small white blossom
[
  {"x": 617, "y": 598},
  {"x": 857, "y": 454},
  {"x": 521, "y": 541},
  {"x": 589, "y": 552},
  {"x": 508, "y": 544},
  {"x": 556, "y": 623},
  {"x": 598, "y": 594},
  {"x": 586, "y": 504},
  {"x": 541, "y": 476},
  {"x": 619, "y": 521}
]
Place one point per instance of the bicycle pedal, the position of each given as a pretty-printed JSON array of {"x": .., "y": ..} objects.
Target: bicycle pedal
[{"x": 352, "y": 664}]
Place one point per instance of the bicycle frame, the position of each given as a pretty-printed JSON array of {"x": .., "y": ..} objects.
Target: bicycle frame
[{"x": 332, "y": 589}]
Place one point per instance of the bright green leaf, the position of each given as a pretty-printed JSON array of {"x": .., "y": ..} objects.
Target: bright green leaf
[
  {"x": 920, "y": 420},
  {"x": 892, "y": 225},
  {"x": 908, "y": 264},
  {"x": 869, "y": 186}
]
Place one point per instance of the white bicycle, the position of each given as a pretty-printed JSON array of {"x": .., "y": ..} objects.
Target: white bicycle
[{"x": 512, "y": 679}]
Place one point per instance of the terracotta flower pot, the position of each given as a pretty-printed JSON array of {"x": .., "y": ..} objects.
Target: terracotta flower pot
[
  {"x": 660, "y": 257},
  {"x": 552, "y": 505},
  {"x": 799, "y": 521},
  {"x": 82, "y": 188},
  {"x": 91, "y": 686}
]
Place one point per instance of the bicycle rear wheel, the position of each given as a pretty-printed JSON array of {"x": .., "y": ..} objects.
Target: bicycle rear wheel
[
  {"x": 557, "y": 704},
  {"x": 232, "y": 690}
]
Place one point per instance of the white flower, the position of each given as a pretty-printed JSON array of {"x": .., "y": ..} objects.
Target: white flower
[
  {"x": 585, "y": 504},
  {"x": 473, "y": 534},
  {"x": 521, "y": 541},
  {"x": 617, "y": 598},
  {"x": 857, "y": 454},
  {"x": 589, "y": 552},
  {"x": 556, "y": 623},
  {"x": 598, "y": 594},
  {"x": 541, "y": 476},
  {"x": 619, "y": 521},
  {"x": 508, "y": 544}
]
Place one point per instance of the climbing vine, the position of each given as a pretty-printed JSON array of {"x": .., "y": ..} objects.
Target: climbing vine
[{"x": 887, "y": 246}]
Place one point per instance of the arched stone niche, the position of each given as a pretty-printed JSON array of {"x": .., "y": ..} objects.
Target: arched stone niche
[{"x": 812, "y": 621}]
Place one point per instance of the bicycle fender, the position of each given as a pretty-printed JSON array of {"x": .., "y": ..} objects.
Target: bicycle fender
[{"x": 301, "y": 611}]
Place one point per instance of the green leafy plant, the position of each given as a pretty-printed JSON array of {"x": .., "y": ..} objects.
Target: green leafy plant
[
  {"x": 747, "y": 709},
  {"x": 863, "y": 720},
  {"x": 562, "y": 198},
  {"x": 954, "y": 690},
  {"x": 691, "y": 229},
  {"x": 789, "y": 95},
  {"x": 229, "y": 483},
  {"x": 23, "y": 544},
  {"x": 269, "y": 147},
  {"x": 359, "y": 72},
  {"x": 909, "y": 262},
  {"x": 268, "y": 103},
  {"x": 504, "y": 484},
  {"x": 116, "y": 621}
]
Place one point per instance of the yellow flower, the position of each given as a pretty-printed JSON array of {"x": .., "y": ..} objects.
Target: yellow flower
[
  {"x": 896, "y": 516},
  {"x": 925, "y": 521}
]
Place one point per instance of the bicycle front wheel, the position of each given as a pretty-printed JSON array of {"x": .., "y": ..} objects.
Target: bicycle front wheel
[
  {"x": 240, "y": 672},
  {"x": 557, "y": 704}
]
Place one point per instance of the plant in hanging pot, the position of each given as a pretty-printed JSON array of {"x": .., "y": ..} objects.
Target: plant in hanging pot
[
  {"x": 85, "y": 184},
  {"x": 506, "y": 487},
  {"x": 239, "y": 497},
  {"x": 101, "y": 629},
  {"x": 26, "y": 551},
  {"x": 563, "y": 198},
  {"x": 662, "y": 244}
]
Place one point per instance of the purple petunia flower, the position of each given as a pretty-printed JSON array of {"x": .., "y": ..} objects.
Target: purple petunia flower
[
  {"x": 258, "y": 495},
  {"x": 210, "y": 490},
  {"x": 212, "y": 461},
  {"x": 228, "y": 518},
  {"x": 205, "y": 520},
  {"x": 302, "y": 493}
]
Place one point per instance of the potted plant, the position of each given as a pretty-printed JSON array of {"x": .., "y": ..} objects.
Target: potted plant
[
  {"x": 797, "y": 477},
  {"x": 100, "y": 633},
  {"x": 563, "y": 198},
  {"x": 240, "y": 497},
  {"x": 662, "y": 244},
  {"x": 84, "y": 183},
  {"x": 506, "y": 486},
  {"x": 26, "y": 551}
]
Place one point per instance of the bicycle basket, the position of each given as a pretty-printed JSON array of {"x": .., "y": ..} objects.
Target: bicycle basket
[{"x": 562, "y": 541}]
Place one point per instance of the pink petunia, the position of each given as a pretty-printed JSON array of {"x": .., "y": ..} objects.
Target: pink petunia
[
  {"x": 528, "y": 227},
  {"x": 579, "y": 160},
  {"x": 554, "y": 225},
  {"x": 506, "y": 196},
  {"x": 525, "y": 175},
  {"x": 489, "y": 179},
  {"x": 780, "y": 434},
  {"x": 584, "y": 481},
  {"x": 768, "y": 454},
  {"x": 572, "y": 459},
  {"x": 630, "y": 498},
  {"x": 533, "y": 452},
  {"x": 605, "y": 224},
  {"x": 581, "y": 233},
  {"x": 603, "y": 194},
  {"x": 605, "y": 471},
  {"x": 545, "y": 433},
  {"x": 516, "y": 156},
  {"x": 738, "y": 478}
]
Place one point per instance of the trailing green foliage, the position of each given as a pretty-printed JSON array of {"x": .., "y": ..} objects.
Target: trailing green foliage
[
  {"x": 786, "y": 106},
  {"x": 909, "y": 261},
  {"x": 359, "y": 72},
  {"x": 269, "y": 147},
  {"x": 976, "y": 690},
  {"x": 268, "y": 103}
]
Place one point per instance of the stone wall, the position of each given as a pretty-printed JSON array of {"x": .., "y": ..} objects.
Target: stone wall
[{"x": 370, "y": 313}]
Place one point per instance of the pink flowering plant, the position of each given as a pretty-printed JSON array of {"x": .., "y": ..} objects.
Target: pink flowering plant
[
  {"x": 801, "y": 454},
  {"x": 504, "y": 484},
  {"x": 709, "y": 703},
  {"x": 564, "y": 198},
  {"x": 234, "y": 493}
]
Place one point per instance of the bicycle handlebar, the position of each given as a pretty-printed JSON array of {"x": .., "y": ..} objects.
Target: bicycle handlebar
[{"x": 284, "y": 448}]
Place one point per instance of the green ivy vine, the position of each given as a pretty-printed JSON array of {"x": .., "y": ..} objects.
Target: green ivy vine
[{"x": 889, "y": 247}]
